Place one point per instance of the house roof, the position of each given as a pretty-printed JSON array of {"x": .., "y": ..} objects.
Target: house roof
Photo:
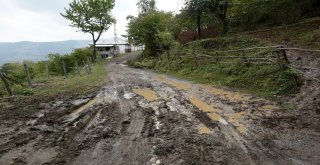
[
  {"x": 104, "y": 45},
  {"x": 111, "y": 41}
]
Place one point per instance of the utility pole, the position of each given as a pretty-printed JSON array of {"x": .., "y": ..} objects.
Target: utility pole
[{"x": 115, "y": 38}]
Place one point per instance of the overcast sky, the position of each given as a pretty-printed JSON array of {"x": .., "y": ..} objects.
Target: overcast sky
[{"x": 39, "y": 20}]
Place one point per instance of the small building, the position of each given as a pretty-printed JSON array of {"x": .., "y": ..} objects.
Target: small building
[{"x": 108, "y": 48}]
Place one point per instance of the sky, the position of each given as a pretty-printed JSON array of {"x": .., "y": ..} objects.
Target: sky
[{"x": 40, "y": 20}]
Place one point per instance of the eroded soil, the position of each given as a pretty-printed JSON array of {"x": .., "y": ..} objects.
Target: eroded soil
[{"x": 142, "y": 117}]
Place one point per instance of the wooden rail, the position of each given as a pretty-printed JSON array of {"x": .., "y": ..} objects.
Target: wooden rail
[{"x": 277, "y": 55}]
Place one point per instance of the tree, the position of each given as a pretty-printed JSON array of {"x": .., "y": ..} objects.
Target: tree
[
  {"x": 91, "y": 16},
  {"x": 146, "y": 6},
  {"x": 151, "y": 30},
  {"x": 216, "y": 9}
]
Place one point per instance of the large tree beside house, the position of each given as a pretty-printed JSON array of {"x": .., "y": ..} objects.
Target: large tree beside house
[{"x": 91, "y": 16}]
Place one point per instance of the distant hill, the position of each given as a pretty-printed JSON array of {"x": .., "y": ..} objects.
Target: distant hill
[{"x": 36, "y": 51}]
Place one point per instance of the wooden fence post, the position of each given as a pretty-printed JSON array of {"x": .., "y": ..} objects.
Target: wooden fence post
[
  {"x": 194, "y": 57},
  {"x": 47, "y": 70},
  {"x": 26, "y": 70},
  {"x": 89, "y": 65},
  {"x": 6, "y": 84},
  {"x": 244, "y": 58},
  {"x": 86, "y": 67},
  {"x": 282, "y": 58},
  {"x": 64, "y": 68},
  {"x": 77, "y": 67}
]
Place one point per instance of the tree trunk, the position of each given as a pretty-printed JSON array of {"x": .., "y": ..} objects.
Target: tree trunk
[
  {"x": 199, "y": 26},
  {"x": 94, "y": 47},
  {"x": 47, "y": 70},
  {"x": 223, "y": 16},
  {"x": 6, "y": 84},
  {"x": 26, "y": 70},
  {"x": 64, "y": 68},
  {"x": 94, "y": 52},
  {"x": 77, "y": 67}
]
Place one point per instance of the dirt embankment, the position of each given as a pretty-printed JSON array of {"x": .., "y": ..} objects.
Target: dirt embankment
[
  {"x": 301, "y": 35},
  {"x": 141, "y": 117}
]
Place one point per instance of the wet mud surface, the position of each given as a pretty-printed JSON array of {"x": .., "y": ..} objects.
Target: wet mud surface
[{"x": 141, "y": 117}]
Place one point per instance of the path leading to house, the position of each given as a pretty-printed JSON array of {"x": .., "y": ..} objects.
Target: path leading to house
[{"x": 142, "y": 117}]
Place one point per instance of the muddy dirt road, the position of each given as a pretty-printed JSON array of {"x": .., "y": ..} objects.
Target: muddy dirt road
[{"x": 141, "y": 117}]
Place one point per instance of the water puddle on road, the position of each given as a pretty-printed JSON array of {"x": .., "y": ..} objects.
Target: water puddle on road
[
  {"x": 216, "y": 117},
  {"x": 241, "y": 128},
  {"x": 179, "y": 85},
  {"x": 148, "y": 94},
  {"x": 233, "y": 96},
  {"x": 76, "y": 113},
  {"x": 160, "y": 78},
  {"x": 235, "y": 120},
  {"x": 204, "y": 107},
  {"x": 267, "y": 108},
  {"x": 175, "y": 83},
  {"x": 87, "y": 105},
  {"x": 202, "y": 129}
]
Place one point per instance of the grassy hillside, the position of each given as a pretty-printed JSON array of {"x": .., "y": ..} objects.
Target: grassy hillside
[
  {"x": 265, "y": 80},
  {"x": 305, "y": 34}
]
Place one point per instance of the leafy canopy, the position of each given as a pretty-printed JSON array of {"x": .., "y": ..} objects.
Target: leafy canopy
[
  {"x": 90, "y": 15},
  {"x": 146, "y": 6},
  {"x": 151, "y": 30}
]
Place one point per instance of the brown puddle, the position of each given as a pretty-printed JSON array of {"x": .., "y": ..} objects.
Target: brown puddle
[
  {"x": 235, "y": 120},
  {"x": 203, "y": 106},
  {"x": 204, "y": 130},
  {"x": 148, "y": 94},
  {"x": 216, "y": 117},
  {"x": 234, "y": 96},
  {"x": 160, "y": 78},
  {"x": 267, "y": 108},
  {"x": 179, "y": 85},
  {"x": 241, "y": 128},
  {"x": 175, "y": 83},
  {"x": 77, "y": 112},
  {"x": 87, "y": 105}
]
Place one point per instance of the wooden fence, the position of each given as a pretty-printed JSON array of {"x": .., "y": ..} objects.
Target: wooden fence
[
  {"x": 250, "y": 56},
  {"x": 7, "y": 80}
]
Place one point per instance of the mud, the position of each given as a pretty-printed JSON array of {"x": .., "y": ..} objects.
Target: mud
[{"x": 141, "y": 117}]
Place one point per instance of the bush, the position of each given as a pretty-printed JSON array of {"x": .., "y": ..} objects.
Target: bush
[{"x": 17, "y": 89}]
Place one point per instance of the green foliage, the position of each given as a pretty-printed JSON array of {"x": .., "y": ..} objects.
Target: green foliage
[
  {"x": 151, "y": 30},
  {"x": 91, "y": 16},
  {"x": 146, "y": 6},
  {"x": 78, "y": 55},
  {"x": 16, "y": 70},
  {"x": 19, "y": 90},
  {"x": 248, "y": 14}
]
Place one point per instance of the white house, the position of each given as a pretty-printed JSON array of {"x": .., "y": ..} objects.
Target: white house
[{"x": 108, "y": 47}]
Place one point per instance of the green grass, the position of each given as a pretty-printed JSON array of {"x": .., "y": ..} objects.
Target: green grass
[{"x": 74, "y": 83}]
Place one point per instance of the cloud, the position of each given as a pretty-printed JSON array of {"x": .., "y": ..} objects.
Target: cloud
[{"x": 39, "y": 20}]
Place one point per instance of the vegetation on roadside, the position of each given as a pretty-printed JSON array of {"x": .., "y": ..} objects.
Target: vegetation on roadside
[
  {"x": 265, "y": 80},
  {"x": 74, "y": 83},
  {"x": 75, "y": 63}
]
